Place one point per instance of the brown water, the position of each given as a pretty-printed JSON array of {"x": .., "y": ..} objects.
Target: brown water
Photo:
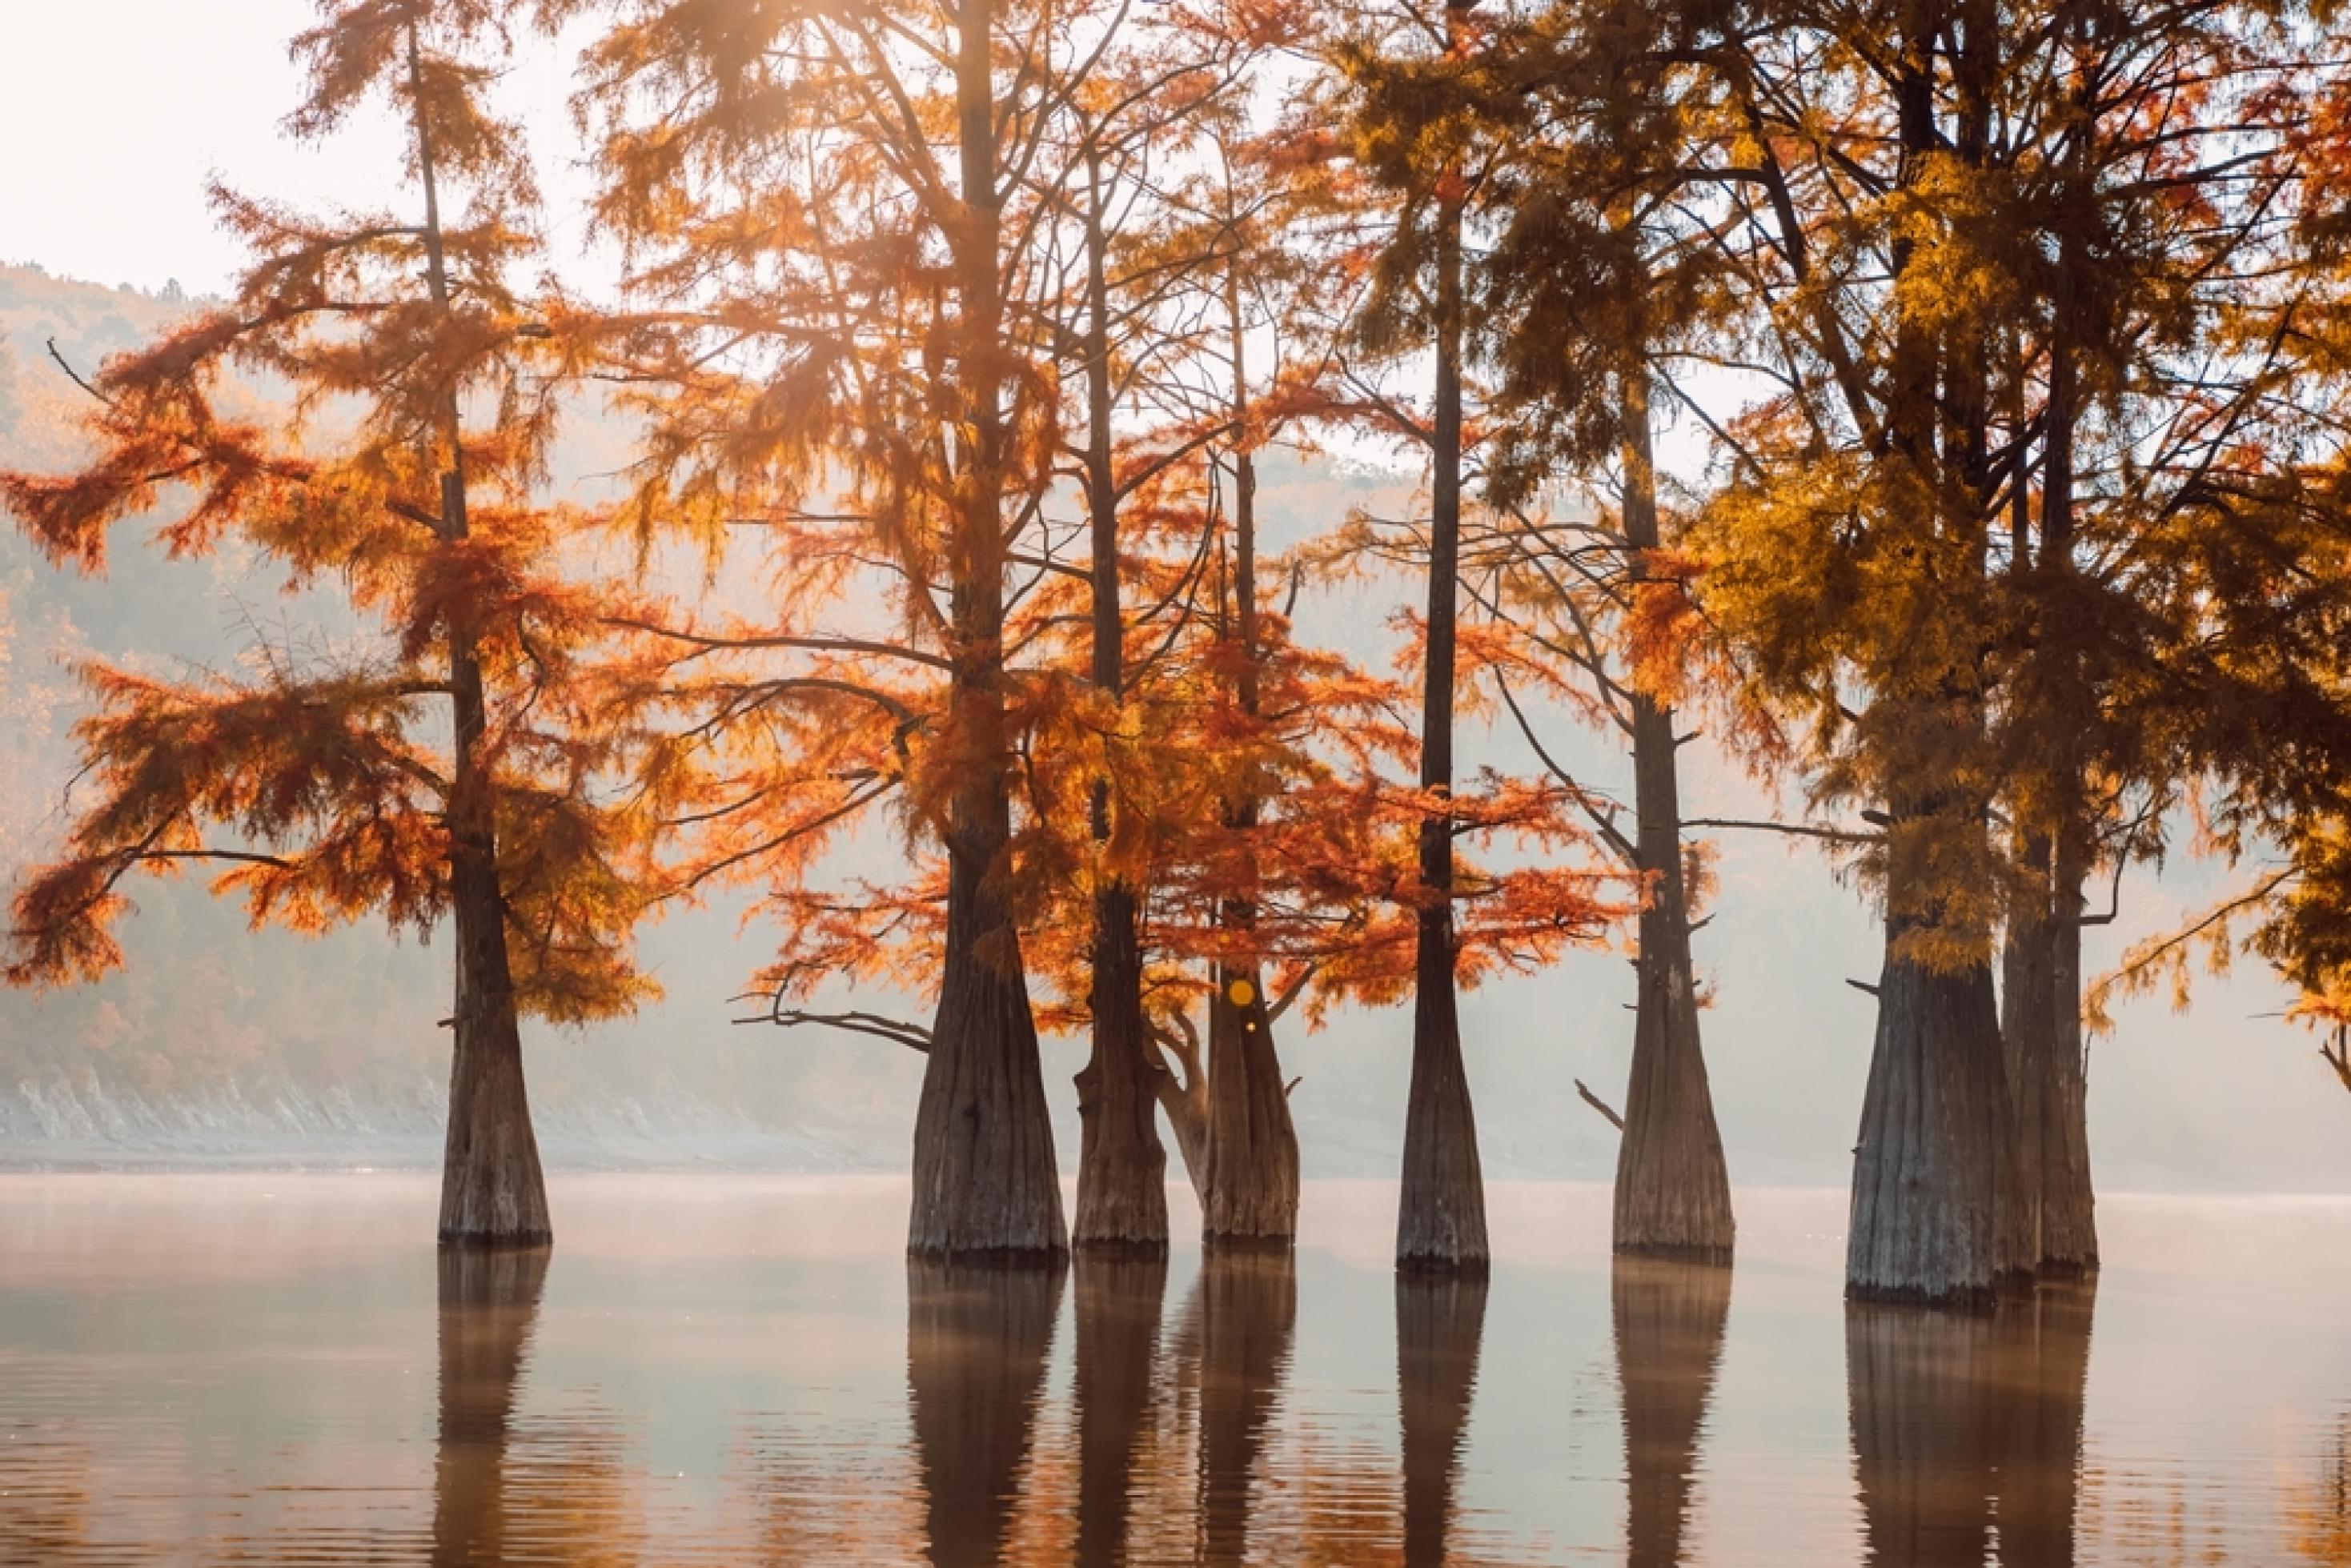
[{"x": 722, "y": 1369}]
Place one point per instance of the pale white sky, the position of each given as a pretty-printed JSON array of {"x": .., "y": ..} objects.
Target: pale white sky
[{"x": 114, "y": 114}]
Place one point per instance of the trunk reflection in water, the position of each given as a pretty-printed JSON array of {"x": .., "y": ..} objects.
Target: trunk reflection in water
[
  {"x": 1966, "y": 1430},
  {"x": 1669, "y": 1317},
  {"x": 977, "y": 1339},
  {"x": 489, "y": 1303},
  {"x": 1439, "y": 1323},
  {"x": 1117, "y": 1366}
]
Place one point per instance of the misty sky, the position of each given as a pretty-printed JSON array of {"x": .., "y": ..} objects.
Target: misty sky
[{"x": 115, "y": 113}]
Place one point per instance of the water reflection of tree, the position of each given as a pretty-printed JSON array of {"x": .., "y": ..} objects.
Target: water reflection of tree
[
  {"x": 1668, "y": 1319},
  {"x": 1439, "y": 1323},
  {"x": 1118, "y": 1305},
  {"x": 1967, "y": 1430},
  {"x": 976, "y": 1340},
  {"x": 489, "y": 1303}
]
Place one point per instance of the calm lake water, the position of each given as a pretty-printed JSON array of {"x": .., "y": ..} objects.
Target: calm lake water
[{"x": 248, "y": 1369}]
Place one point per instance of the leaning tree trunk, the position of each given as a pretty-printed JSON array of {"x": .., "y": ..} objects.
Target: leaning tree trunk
[
  {"x": 489, "y": 1302},
  {"x": 977, "y": 1345},
  {"x": 1441, "y": 1216},
  {"x": 1118, "y": 1302},
  {"x": 1669, "y": 1317},
  {"x": 1673, "y": 1188},
  {"x": 1121, "y": 1167},
  {"x": 986, "y": 1185},
  {"x": 1439, "y": 1323},
  {"x": 492, "y": 1193},
  {"x": 2040, "y": 1030}
]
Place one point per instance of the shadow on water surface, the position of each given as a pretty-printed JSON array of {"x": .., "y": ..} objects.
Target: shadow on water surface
[{"x": 1966, "y": 1430}]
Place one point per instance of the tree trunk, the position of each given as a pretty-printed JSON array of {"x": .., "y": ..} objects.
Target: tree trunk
[
  {"x": 1669, "y": 1318},
  {"x": 1118, "y": 1302},
  {"x": 977, "y": 1344},
  {"x": 1252, "y": 1187},
  {"x": 1185, "y": 1100},
  {"x": 1441, "y": 1216},
  {"x": 492, "y": 1193},
  {"x": 1250, "y": 1195},
  {"x": 1248, "y": 1316},
  {"x": 2040, "y": 1031},
  {"x": 1439, "y": 1323},
  {"x": 986, "y": 1185},
  {"x": 1122, "y": 1168},
  {"x": 489, "y": 1302},
  {"x": 1934, "y": 1216},
  {"x": 1673, "y": 1188}
]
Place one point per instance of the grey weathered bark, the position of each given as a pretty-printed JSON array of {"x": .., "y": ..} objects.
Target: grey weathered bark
[
  {"x": 489, "y": 1303},
  {"x": 1439, "y": 1323},
  {"x": 1122, "y": 1168},
  {"x": 1965, "y": 1427},
  {"x": 492, "y": 1193},
  {"x": 977, "y": 1344},
  {"x": 1673, "y": 1186},
  {"x": 2040, "y": 1031},
  {"x": 1250, "y": 1195},
  {"x": 1118, "y": 1303},
  {"x": 985, "y": 1183},
  {"x": 1441, "y": 1214},
  {"x": 1247, "y": 1303},
  {"x": 1669, "y": 1317}
]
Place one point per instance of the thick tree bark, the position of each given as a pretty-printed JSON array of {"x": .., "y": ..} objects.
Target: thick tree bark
[
  {"x": 986, "y": 1185},
  {"x": 489, "y": 1302},
  {"x": 1439, "y": 1323},
  {"x": 1673, "y": 1186},
  {"x": 977, "y": 1344},
  {"x": 2040, "y": 1030},
  {"x": 1965, "y": 1426},
  {"x": 1118, "y": 1303},
  {"x": 1247, "y": 1306},
  {"x": 1122, "y": 1168},
  {"x": 1935, "y": 1214},
  {"x": 492, "y": 1193},
  {"x": 1669, "y": 1318},
  {"x": 1249, "y": 1194},
  {"x": 1441, "y": 1218}
]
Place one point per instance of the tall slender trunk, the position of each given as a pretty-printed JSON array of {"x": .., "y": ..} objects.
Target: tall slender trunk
[
  {"x": 1673, "y": 1188},
  {"x": 1122, "y": 1168},
  {"x": 985, "y": 1183},
  {"x": 1118, "y": 1302},
  {"x": 1669, "y": 1317},
  {"x": 1935, "y": 1214},
  {"x": 1441, "y": 1218},
  {"x": 492, "y": 1193},
  {"x": 1250, "y": 1197},
  {"x": 977, "y": 1344},
  {"x": 2040, "y": 1031},
  {"x": 1439, "y": 1323},
  {"x": 489, "y": 1303}
]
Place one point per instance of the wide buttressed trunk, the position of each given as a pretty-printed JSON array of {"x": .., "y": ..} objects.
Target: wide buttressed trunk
[
  {"x": 1934, "y": 1216},
  {"x": 977, "y": 1345},
  {"x": 1669, "y": 1317},
  {"x": 1439, "y": 1324},
  {"x": 986, "y": 1185},
  {"x": 1250, "y": 1196},
  {"x": 489, "y": 1302},
  {"x": 493, "y": 1192},
  {"x": 2040, "y": 1030},
  {"x": 1121, "y": 1167},
  {"x": 1118, "y": 1304}
]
